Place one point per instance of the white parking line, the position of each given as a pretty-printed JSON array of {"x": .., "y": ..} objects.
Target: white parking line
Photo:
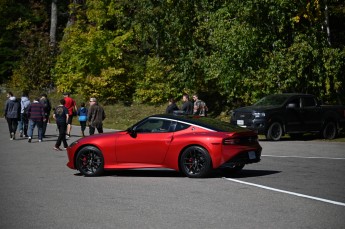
[
  {"x": 329, "y": 158},
  {"x": 287, "y": 192}
]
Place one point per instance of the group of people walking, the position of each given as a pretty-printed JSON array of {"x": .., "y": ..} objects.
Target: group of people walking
[
  {"x": 188, "y": 107},
  {"x": 24, "y": 115}
]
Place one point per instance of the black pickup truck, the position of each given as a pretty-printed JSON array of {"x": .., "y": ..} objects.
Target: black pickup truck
[{"x": 293, "y": 114}]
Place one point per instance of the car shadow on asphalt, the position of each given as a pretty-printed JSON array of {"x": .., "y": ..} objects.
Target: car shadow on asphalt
[
  {"x": 172, "y": 173},
  {"x": 245, "y": 173},
  {"x": 140, "y": 173}
]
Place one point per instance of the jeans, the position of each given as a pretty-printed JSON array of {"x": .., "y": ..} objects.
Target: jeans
[
  {"x": 23, "y": 124},
  {"x": 82, "y": 125},
  {"x": 12, "y": 124},
  {"x": 62, "y": 127},
  {"x": 32, "y": 125},
  {"x": 92, "y": 129}
]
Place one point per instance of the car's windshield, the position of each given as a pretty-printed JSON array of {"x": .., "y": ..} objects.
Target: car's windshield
[{"x": 272, "y": 100}]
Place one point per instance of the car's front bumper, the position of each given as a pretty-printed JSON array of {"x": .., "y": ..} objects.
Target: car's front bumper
[{"x": 257, "y": 125}]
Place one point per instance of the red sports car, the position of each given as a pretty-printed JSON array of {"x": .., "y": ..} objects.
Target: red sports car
[{"x": 191, "y": 144}]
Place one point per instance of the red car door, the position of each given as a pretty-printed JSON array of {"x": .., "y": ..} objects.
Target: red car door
[{"x": 149, "y": 145}]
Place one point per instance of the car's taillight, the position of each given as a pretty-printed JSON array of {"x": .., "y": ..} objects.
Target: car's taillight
[
  {"x": 242, "y": 140},
  {"x": 231, "y": 141}
]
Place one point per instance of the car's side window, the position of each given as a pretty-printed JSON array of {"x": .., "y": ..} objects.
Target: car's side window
[
  {"x": 308, "y": 102},
  {"x": 181, "y": 126},
  {"x": 295, "y": 101},
  {"x": 153, "y": 126}
]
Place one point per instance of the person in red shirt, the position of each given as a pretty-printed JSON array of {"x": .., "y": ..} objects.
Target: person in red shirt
[{"x": 71, "y": 106}]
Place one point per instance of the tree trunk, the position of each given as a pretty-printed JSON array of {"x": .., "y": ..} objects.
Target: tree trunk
[
  {"x": 328, "y": 30},
  {"x": 53, "y": 23}
]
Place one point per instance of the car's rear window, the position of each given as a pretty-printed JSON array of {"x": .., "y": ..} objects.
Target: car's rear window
[{"x": 213, "y": 124}]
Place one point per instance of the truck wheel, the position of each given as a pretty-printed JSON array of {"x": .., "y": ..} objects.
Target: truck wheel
[
  {"x": 329, "y": 131},
  {"x": 274, "y": 132}
]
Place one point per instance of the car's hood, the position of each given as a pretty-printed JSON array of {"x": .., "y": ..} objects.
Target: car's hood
[{"x": 250, "y": 109}]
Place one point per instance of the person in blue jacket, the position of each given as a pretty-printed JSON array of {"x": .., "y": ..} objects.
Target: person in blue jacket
[{"x": 82, "y": 114}]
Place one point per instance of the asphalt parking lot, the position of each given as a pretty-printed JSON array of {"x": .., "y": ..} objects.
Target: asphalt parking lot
[{"x": 298, "y": 184}]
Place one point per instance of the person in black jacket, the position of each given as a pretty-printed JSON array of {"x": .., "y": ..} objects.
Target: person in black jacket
[
  {"x": 12, "y": 114},
  {"x": 95, "y": 116},
  {"x": 61, "y": 117},
  {"x": 187, "y": 106},
  {"x": 171, "y": 107},
  {"x": 47, "y": 108}
]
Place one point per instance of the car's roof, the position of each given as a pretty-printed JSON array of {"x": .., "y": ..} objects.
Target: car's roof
[
  {"x": 205, "y": 122},
  {"x": 290, "y": 94}
]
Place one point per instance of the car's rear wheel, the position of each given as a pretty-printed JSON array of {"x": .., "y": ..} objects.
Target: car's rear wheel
[
  {"x": 195, "y": 162},
  {"x": 275, "y": 131},
  {"x": 329, "y": 131},
  {"x": 89, "y": 161}
]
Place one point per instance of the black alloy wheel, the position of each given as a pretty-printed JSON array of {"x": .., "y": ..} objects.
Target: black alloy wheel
[
  {"x": 89, "y": 161},
  {"x": 275, "y": 131},
  {"x": 329, "y": 130},
  {"x": 195, "y": 162}
]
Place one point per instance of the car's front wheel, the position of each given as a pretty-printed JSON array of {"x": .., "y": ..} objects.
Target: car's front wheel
[
  {"x": 195, "y": 162},
  {"x": 275, "y": 131},
  {"x": 89, "y": 161}
]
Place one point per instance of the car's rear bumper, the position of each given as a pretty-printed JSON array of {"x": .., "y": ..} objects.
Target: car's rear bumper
[{"x": 246, "y": 157}]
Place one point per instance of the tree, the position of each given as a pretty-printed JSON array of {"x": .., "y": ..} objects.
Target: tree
[{"x": 53, "y": 23}]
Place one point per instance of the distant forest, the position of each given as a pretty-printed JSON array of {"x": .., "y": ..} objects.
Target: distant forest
[{"x": 230, "y": 52}]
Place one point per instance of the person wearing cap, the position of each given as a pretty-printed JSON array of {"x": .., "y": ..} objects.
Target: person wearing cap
[
  {"x": 95, "y": 115},
  {"x": 71, "y": 106}
]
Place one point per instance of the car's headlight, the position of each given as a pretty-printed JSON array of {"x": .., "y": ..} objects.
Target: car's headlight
[
  {"x": 73, "y": 144},
  {"x": 259, "y": 114}
]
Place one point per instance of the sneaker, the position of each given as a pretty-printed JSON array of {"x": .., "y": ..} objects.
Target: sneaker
[
  {"x": 13, "y": 136},
  {"x": 40, "y": 140},
  {"x": 29, "y": 139},
  {"x": 68, "y": 135},
  {"x": 21, "y": 134},
  {"x": 57, "y": 149}
]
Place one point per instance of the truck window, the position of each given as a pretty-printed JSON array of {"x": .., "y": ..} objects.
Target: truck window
[
  {"x": 308, "y": 102},
  {"x": 296, "y": 102}
]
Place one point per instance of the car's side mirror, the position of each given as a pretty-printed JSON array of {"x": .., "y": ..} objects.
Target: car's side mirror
[
  {"x": 291, "y": 106},
  {"x": 132, "y": 132}
]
